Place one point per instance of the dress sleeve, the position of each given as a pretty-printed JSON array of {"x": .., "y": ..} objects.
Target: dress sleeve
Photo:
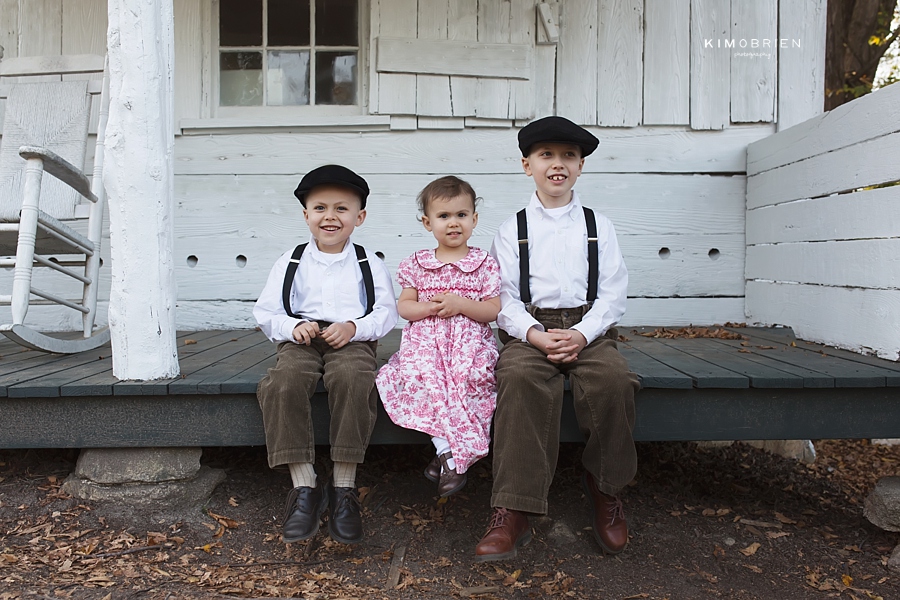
[
  {"x": 491, "y": 278},
  {"x": 406, "y": 272}
]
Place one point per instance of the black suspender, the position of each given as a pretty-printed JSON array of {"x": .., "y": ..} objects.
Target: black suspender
[
  {"x": 291, "y": 271},
  {"x": 593, "y": 255},
  {"x": 363, "y": 261},
  {"x": 524, "y": 275}
]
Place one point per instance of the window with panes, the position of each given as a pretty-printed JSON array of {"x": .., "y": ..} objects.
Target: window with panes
[{"x": 288, "y": 52}]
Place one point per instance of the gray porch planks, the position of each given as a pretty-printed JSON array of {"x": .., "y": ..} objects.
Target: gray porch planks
[{"x": 758, "y": 388}]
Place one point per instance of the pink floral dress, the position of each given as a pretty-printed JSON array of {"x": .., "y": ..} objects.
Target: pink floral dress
[{"x": 441, "y": 381}]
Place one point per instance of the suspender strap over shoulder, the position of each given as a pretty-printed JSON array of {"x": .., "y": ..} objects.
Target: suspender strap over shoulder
[
  {"x": 291, "y": 271},
  {"x": 524, "y": 276},
  {"x": 593, "y": 253},
  {"x": 590, "y": 224},
  {"x": 367, "y": 276},
  {"x": 289, "y": 280}
]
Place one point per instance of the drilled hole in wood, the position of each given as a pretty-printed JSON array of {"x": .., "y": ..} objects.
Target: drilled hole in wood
[
  {"x": 240, "y": 261},
  {"x": 192, "y": 261},
  {"x": 714, "y": 254},
  {"x": 664, "y": 253}
]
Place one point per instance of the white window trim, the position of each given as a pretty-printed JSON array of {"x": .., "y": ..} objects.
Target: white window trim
[{"x": 271, "y": 117}]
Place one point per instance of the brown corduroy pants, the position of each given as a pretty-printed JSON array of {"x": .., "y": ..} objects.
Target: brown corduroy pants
[
  {"x": 285, "y": 392},
  {"x": 529, "y": 407}
]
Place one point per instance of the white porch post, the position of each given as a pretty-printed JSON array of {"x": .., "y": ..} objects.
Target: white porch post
[{"x": 139, "y": 181}]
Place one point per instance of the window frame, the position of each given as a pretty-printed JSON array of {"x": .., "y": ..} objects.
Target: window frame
[{"x": 293, "y": 111}]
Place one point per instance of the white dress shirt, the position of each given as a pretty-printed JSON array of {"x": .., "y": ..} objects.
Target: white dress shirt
[
  {"x": 557, "y": 247},
  {"x": 327, "y": 287}
]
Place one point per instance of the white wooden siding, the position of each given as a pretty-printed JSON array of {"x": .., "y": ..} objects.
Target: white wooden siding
[
  {"x": 620, "y": 62},
  {"x": 644, "y": 150},
  {"x": 189, "y": 48},
  {"x": 439, "y": 58},
  {"x": 874, "y": 115},
  {"x": 576, "y": 62},
  {"x": 604, "y": 69},
  {"x": 667, "y": 62},
  {"x": 861, "y": 320},
  {"x": 801, "y": 72},
  {"x": 822, "y": 256},
  {"x": 462, "y": 25},
  {"x": 872, "y": 214},
  {"x": 834, "y": 172},
  {"x": 394, "y": 93},
  {"x": 492, "y": 95},
  {"x": 753, "y": 76},
  {"x": 710, "y": 67}
]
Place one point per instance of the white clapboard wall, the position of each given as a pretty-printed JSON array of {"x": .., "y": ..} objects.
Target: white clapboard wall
[
  {"x": 823, "y": 244},
  {"x": 446, "y": 85}
]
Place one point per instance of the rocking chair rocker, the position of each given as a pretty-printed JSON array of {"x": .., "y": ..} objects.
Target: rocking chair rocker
[{"x": 45, "y": 130}]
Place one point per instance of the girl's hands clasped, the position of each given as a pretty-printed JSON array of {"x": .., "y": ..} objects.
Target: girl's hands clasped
[{"x": 449, "y": 305}]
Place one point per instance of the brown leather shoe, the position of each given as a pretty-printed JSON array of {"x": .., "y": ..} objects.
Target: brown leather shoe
[
  {"x": 610, "y": 528},
  {"x": 433, "y": 470},
  {"x": 508, "y": 531},
  {"x": 450, "y": 481}
]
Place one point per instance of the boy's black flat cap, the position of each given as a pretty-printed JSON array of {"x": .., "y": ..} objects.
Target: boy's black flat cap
[
  {"x": 332, "y": 175},
  {"x": 559, "y": 130}
]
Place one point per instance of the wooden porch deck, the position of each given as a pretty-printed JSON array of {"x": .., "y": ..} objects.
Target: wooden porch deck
[{"x": 768, "y": 386}]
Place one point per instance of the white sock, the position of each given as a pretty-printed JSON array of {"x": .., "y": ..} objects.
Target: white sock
[
  {"x": 302, "y": 474},
  {"x": 441, "y": 446},
  {"x": 345, "y": 474}
]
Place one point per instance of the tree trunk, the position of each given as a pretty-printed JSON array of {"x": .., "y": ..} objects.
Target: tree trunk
[
  {"x": 850, "y": 61},
  {"x": 139, "y": 178}
]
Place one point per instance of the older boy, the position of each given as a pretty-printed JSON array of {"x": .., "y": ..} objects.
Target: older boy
[
  {"x": 325, "y": 304},
  {"x": 563, "y": 288}
]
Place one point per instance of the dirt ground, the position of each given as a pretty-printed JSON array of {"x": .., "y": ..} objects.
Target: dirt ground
[{"x": 729, "y": 522}]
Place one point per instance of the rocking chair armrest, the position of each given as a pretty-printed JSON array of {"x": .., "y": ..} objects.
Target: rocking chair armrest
[{"x": 61, "y": 169}]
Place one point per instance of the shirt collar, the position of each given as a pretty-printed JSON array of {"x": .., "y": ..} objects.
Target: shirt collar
[
  {"x": 467, "y": 264},
  {"x": 544, "y": 213},
  {"x": 328, "y": 259}
]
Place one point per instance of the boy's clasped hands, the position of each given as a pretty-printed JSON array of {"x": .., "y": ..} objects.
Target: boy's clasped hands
[
  {"x": 560, "y": 345},
  {"x": 335, "y": 335}
]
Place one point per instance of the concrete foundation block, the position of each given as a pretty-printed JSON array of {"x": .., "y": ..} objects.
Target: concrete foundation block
[
  {"x": 894, "y": 560},
  {"x": 882, "y": 506},
  {"x": 137, "y": 465},
  {"x": 158, "y": 480},
  {"x": 802, "y": 450}
]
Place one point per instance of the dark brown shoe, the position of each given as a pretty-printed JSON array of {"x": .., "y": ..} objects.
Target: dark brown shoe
[
  {"x": 344, "y": 518},
  {"x": 508, "y": 531},
  {"x": 450, "y": 481},
  {"x": 433, "y": 470},
  {"x": 610, "y": 528},
  {"x": 302, "y": 511}
]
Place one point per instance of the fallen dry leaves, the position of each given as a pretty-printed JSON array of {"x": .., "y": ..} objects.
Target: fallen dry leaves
[{"x": 715, "y": 331}]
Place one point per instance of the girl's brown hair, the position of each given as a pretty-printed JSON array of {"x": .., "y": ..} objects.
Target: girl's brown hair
[{"x": 445, "y": 187}]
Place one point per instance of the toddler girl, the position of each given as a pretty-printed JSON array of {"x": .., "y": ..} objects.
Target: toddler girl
[{"x": 441, "y": 381}]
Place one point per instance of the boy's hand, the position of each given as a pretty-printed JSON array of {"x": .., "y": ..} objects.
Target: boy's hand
[
  {"x": 575, "y": 338},
  {"x": 304, "y": 332},
  {"x": 560, "y": 345},
  {"x": 448, "y": 305},
  {"x": 338, "y": 334}
]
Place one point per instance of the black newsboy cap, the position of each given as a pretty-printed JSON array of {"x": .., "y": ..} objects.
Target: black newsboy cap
[
  {"x": 332, "y": 175},
  {"x": 559, "y": 130}
]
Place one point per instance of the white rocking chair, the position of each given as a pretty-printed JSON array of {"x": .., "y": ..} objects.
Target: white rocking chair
[{"x": 45, "y": 130}]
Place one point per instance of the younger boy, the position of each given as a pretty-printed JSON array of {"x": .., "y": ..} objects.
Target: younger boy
[
  {"x": 563, "y": 288},
  {"x": 325, "y": 304}
]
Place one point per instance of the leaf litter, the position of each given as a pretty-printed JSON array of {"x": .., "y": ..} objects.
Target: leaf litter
[{"x": 799, "y": 525}]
